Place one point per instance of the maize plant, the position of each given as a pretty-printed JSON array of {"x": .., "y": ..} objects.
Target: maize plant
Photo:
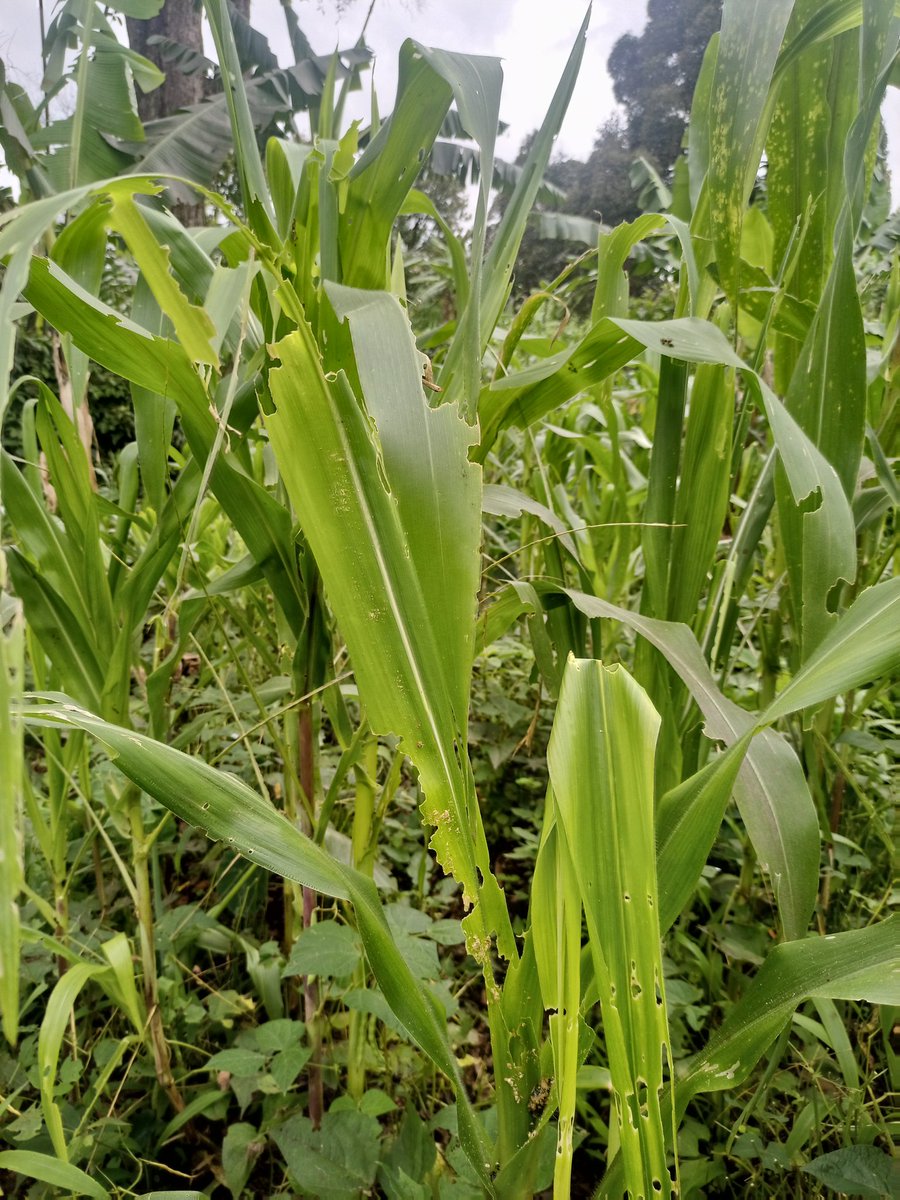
[{"x": 355, "y": 475}]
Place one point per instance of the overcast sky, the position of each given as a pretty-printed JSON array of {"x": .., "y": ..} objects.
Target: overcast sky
[{"x": 533, "y": 37}]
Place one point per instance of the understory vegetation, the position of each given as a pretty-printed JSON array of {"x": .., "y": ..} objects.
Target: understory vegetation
[{"x": 446, "y": 740}]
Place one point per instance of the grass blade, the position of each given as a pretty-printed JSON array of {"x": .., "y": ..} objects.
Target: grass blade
[
  {"x": 257, "y": 202},
  {"x": 863, "y": 645},
  {"x": 859, "y": 965},
  {"x": 505, "y": 246},
  {"x": 57, "y": 630},
  {"x": 53, "y": 1028},
  {"x": 772, "y": 793}
]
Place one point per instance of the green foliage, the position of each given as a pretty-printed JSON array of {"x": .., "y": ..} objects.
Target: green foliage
[
  {"x": 654, "y": 74},
  {"x": 599, "y": 189},
  {"x": 442, "y": 775}
]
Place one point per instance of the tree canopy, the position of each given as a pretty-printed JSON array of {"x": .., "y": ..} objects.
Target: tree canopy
[
  {"x": 654, "y": 74},
  {"x": 653, "y": 78}
]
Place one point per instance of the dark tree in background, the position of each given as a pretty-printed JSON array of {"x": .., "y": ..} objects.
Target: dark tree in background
[
  {"x": 654, "y": 75},
  {"x": 653, "y": 79},
  {"x": 598, "y": 188}
]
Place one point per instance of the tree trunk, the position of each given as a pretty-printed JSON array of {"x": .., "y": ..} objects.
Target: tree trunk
[{"x": 179, "y": 20}]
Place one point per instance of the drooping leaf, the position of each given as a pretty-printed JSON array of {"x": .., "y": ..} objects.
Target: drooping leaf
[
  {"x": 503, "y": 501},
  {"x": 813, "y": 494},
  {"x": 614, "y": 246},
  {"x": 214, "y": 801},
  {"x": 158, "y": 364},
  {"x": 566, "y": 227},
  {"x": 225, "y": 808},
  {"x": 192, "y": 324},
  {"x": 772, "y": 792},
  {"x": 860, "y": 964},
  {"x": 863, "y": 645},
  {"x": 524, "y": 397},
  {"x": 20, "y": 230},
  {"x": 58, "y": 1173},
  {"x": 144, "y": 10}
]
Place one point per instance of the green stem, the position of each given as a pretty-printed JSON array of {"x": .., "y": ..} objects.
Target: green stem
[
  {"x": 291, "y": 901},
  {"x": 363, "y": 860},
  {"x": 306, "y": 770},
  {"x": 140, "y": 850},
  {"x": 364, "y": 808}
]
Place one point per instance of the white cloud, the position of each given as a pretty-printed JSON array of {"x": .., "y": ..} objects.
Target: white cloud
[{"x": 532, "y": 37}]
